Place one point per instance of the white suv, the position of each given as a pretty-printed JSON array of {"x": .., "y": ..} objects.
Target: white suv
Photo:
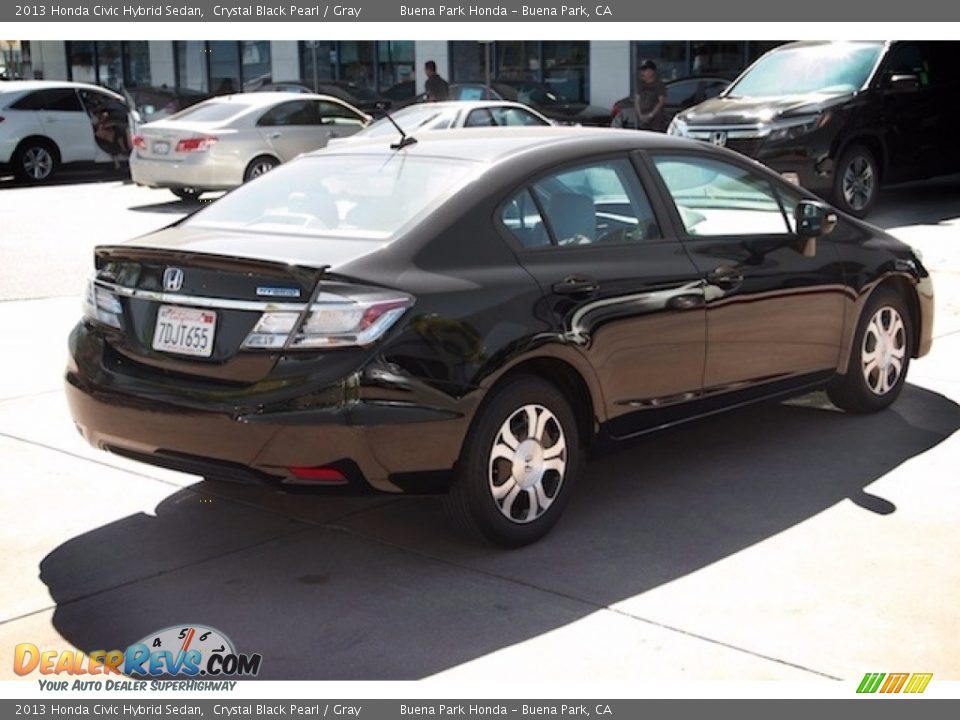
[{"x": 45, "y": 124}]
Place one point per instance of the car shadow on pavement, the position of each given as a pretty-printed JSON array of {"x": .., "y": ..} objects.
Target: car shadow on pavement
[
  {"x": 384, "y": 589},
  {"x": 72, "y": 176},
  {"x": 929, "y": 202}
]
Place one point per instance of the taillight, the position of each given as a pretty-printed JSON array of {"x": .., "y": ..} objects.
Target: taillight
[
  {"x": 615, "y": 110},
  {"x": 102, "y": 306},
  {"x": 139, "y": 143},
  {"x": 332, "y": 321},
  {"x": 196, "y": 144},
  {"x": 2, "y": 118}
]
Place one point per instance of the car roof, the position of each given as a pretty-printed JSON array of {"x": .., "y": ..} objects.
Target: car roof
[
  {"x": 263, "y": 99},
  {"x": 818, "y": 43},
  {"x": 461, "y": 104},
  {"x": 498, "y": 144},
  {"x": 28, "y": 85}
]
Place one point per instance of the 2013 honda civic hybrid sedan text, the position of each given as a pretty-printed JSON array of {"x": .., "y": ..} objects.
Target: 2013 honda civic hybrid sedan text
[{"x": 473, "y": 312}]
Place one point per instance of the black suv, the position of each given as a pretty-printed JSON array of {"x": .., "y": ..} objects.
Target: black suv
[{"x": 841, "y": 118}]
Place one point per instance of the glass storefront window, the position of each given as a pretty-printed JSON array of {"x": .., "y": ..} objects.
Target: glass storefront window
[
  {"x": 357, "y": 62},
  {"x": 466, "y": 61},
  {"x": 255, "y": 60},
  {"x": 718, "y": 57},
  {"x": 224, "y": 60},
  {"x": 110, "y": 64},
  {"x": 518, "y": 60},
  {"x": 566, "y": 68},
  {"x": 137, "y": 63},
  {"x": 669, "y": 55},
  {"x": 325, "y": 54},
  {"x": 82, "y": 60},
  {"x": 191, "y": 64},
  {"x": 395, "y": 63}
]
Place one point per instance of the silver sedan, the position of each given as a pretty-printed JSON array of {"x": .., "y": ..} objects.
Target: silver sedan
[{"x": 226, "y": 141}]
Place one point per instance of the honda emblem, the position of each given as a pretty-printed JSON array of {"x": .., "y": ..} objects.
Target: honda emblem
[{"x": 172, "y": 279}]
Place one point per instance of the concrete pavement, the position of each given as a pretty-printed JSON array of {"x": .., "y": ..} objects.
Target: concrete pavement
[{"x": 794, "y": 542}]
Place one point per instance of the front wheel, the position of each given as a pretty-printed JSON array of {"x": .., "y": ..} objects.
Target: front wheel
[
  {"x": 518, "y": 466},
  {"x": 856, "y": 181},
  {"x": 879, "y": 358}
]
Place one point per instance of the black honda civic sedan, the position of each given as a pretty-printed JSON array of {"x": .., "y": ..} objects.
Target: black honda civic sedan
[{"x": 474, "y": 312}]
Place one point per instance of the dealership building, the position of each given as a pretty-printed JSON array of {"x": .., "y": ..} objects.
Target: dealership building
[{"x": 596, "y": 71}]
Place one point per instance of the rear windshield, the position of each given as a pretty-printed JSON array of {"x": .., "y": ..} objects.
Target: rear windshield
[
  {"x": 410, "y": 120},
  {"x": 210, "y": 112},
  {"x": 346, "y": 196},
  {"x": 834, "y": 68}
]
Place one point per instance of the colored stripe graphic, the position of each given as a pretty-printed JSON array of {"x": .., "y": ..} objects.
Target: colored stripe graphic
[
  {"x": 894, "y": 683},
  {"x": 870, "y": 682},
  {"x": 918, "y": 682}
]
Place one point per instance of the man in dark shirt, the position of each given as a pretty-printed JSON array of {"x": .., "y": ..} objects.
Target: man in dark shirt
[
  {"x": 437, "y": 88},
  {"x": 649, "y": 99}
]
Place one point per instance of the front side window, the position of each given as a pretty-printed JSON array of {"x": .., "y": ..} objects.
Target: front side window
[
  {"x": 515, "y": 117},
  {"x": 597, "y": 203},
  {"x": 331, "y": 113},
  {"x": 716, "y": 198}
]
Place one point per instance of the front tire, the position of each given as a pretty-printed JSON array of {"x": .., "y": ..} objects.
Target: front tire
[
  {"x": 518, "y": 465},
  {"x": 856, "y": 181},
  {"x": 35, "y": 161},
  {"x": 879, "y": 358}
]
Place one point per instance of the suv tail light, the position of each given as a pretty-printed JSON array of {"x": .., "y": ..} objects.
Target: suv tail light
[
  {"x": 139, "y": 143},
  {"x": 197, "y": 144},
  {"x": 331, "y": 321}
]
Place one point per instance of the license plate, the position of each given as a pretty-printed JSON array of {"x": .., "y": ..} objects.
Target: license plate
[
  {"x": 185, "y": 331},
  {"x": 161, "y": 147}
]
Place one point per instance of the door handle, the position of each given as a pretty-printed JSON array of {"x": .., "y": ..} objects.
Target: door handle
[
  {"x": 576, "y": 285},
  {"x": 275, "y": 135},
  {"x": 725, "y": 277}
]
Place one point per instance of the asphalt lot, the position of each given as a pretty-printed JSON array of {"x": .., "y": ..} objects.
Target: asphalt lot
[{"x": 783, "y": 541}]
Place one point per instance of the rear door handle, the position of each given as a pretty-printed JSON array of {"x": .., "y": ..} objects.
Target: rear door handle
[
  {"x": 726, "y": 277},
  {"x": 275, "y": 135},
  {"x": 576, "y": 285}
]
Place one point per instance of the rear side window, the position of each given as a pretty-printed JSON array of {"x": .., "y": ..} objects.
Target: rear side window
[
  {"x": 596, "y": 203},
  {"x": 521, "y": 217},
  {"x": 54, "y": 99},
  {"x": 296, "y": 112},
  {"x": 479, "y": 118},
  {"x": 716, "y": 198},
  {"x": 336, "y": 114}
]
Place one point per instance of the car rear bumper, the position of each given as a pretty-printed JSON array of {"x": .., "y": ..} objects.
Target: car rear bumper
[
  {"x": 205, "y": 171},
  {"x": 374, "y": 444}
]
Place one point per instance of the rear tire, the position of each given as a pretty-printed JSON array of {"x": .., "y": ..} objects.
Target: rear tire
[
  {"x": 187, "y": 194},
  {"x": 36, "y": 161},
  {"x": 259, "y": 166},
  {"x": 879, "y": 358},
  {"x": 856, "y": 181},
  {"x": 513, "y": 480}
]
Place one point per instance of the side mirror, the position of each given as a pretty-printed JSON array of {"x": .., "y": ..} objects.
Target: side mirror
[
  {"x": 814, "y": 219},
  {"x": 903, "y": 83}
]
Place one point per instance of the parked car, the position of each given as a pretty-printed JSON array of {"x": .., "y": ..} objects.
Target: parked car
[
  {"x": 155, "y": 103},
  {"x": 447, "y": 115},
  {"x": 841, "y": 118},
  {"x": 47, "y": 124},
  {"x": 539, "y": 96},
  {"x": 227, "y": 140},
  {"x": 353, "y": 94},
  {"x": 474, "y": 311},
  {"x": 681, "y": 94}
]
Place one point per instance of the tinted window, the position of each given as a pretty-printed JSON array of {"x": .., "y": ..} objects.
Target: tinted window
[
  {"x": 522, "y": 218},
  {"x": 515, "y": 116},
  {"x": 717, "y": 198},
  {"x": 59, "y": 99},
  {"x": 479, "y": 118},
  {"x": 336, "y": 114},
  {"x": 916, "y": 59},
  {"x": 596, "y": 203},
  {"x": 211, "y": 112},
  {"x": 296, "y": 112}
]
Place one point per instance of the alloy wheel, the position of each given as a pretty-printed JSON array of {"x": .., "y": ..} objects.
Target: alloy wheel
[
  {"x": 859, "y": 182},
  {"x": 527, "y": 463},
  {"x": 260, "y": 168},
  {"x": 884, "y": 350},
  {"x": 37, "y": 163}
]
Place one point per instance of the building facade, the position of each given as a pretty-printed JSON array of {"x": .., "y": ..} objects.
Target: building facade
[{"x": 597, "y": 71}]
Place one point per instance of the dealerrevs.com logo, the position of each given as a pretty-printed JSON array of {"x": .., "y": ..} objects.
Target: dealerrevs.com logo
[
  {"x": 179, "y": 650},
  {"x": 910, "y": 683}
]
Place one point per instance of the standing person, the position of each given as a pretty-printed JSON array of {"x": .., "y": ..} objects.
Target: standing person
[
  {"x": 649, "y": 99},
  {"x": 437, "y": 88}
]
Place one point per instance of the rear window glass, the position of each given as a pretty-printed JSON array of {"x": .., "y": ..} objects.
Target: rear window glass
[
  {"x": 210, "y": 112},
  {"x": 342, "y": 195}
]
